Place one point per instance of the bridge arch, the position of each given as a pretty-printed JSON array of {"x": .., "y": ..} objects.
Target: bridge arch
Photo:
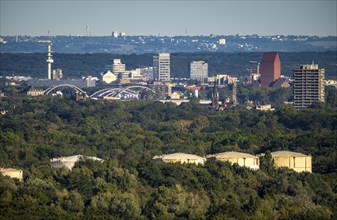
[
  {"x": 143, "y": 87},
  {"x": 49, "y": 90},
  {"x": 115, "y": 92}
]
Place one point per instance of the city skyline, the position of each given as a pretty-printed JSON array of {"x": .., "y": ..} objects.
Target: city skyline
[{"x": 168, "y": 18}]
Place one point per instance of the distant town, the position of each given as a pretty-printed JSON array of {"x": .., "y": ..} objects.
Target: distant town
[
  {"x": 121, "y": 43},
  {"x": 155, "y": 82}
]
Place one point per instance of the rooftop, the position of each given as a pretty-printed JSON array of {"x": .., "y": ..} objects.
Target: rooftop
[
  {"x": 74, "y": 158},
  {"x": 269, "y": 57},
  {"x": 178, "y": 156},
  {"x": 8, "y": 169},
  {"x": 287, "y": 154},
  {"x": 232, "y": 154}
]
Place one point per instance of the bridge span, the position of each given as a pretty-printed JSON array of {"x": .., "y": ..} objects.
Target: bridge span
[{"x": 125, "y": 92}]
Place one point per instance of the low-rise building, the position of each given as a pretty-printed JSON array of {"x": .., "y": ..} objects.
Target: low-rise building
[
  {"x": 176, "y": 95},
  {"x": 330, "y": 82},
  {"x": 180, "y": 158},
  {"x": 146, "y": 73},
  {"x": 242, "y": 159},
  {"x": 281, "y": 83},
  {"x": 69, "y": 162},
  {"x": 12, "y": 173},
  {"x": 293, "y": 160},
  {"x": 109, "y": 77},
  {"x": 35, "y": 92},
  {"x": 264, "y": 108}
]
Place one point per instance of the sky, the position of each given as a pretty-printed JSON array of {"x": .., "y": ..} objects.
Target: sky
[{"x": 169, "y": 18}]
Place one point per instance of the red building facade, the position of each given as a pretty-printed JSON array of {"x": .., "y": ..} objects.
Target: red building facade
[{"x": 270, "y": 68}]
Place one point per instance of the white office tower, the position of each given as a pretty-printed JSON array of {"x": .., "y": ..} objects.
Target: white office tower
[
  {"x": 161, "y": 67},
  {"x": 199, "y": 71},
  {"x": 117, "y": 66}
]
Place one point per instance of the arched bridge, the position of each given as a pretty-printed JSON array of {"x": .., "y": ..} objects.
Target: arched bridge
[
  {"x": 129, "y": 92},
  {"x": 49, "y": 90}
]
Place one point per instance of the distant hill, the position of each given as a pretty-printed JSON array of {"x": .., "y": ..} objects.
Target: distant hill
[
  {"x": 174, "y": 44},
  {"x": 76, "y": 65}
]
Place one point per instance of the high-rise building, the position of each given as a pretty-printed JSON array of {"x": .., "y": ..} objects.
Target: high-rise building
[
  {"x": 308, "y": 86},
  {"x": 161, "y": 67},
  {"x": 270, "y": 68},
  {"x": 118, "y": 66},
  {"x": 199, "y": 70}
]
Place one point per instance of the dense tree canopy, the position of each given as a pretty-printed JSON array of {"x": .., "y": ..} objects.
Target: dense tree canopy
[{"x": 129, "y": 185}]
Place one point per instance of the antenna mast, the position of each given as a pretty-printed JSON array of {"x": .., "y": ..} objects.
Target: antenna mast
[{"x": 49, "y": 56}]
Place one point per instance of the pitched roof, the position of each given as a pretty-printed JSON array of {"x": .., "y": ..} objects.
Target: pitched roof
[
  {"x": 232, "y": 154},
  {"x": 269, "y": 57},
  {"x": 287, "y": 154}
]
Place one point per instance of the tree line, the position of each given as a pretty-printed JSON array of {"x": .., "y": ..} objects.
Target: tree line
[{"x": 77, "y": 65}]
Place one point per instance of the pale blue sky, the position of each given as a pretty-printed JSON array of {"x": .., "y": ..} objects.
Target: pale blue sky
[{"x": 169, "y": 17}]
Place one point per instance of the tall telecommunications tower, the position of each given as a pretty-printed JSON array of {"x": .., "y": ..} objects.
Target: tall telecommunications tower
[{"x": 49, "y": 57}]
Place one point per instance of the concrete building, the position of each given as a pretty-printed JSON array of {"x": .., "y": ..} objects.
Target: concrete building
[
  {"x": 12, "y": 173},
  {"x": 224, "y": 79},
  {"x": 57, "y": 74},
  {"x": 69, "y": 162},
  {"x": 180, "y": 158},
  {"x": 109, "y": 77},
  {"x": 242, "y": 159},
  {"x": 35, "y": 92},
  {"x": 270, "y": 68},
  {"x": 330, "y": 82},
  {"x": 199, "y": 71},
  {"x": 222, "y": 41},
  {"x": 161, "y": 67},
  {"x": 118, "y": 66},
  {"x": 91, "y": 81},
  {"x": 281, "y": 83},
  {"x": 308, "y": 85},
  {"x": 293, "y": 160},
  {"x": 147, "y": 73},
  {"x": 264, "y": 108},
  {"x": 176, "y": 95}
]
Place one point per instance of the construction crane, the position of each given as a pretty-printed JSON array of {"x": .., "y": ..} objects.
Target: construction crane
[{"x": 202, "y": 73}]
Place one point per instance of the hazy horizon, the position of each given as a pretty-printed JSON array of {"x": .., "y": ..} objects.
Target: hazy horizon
[{"x": 168, "y": 18}]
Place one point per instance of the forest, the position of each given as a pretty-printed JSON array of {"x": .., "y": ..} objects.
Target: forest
[
  {"x": 130, "y": 185},
  {"x": 77, "y": 65}
]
